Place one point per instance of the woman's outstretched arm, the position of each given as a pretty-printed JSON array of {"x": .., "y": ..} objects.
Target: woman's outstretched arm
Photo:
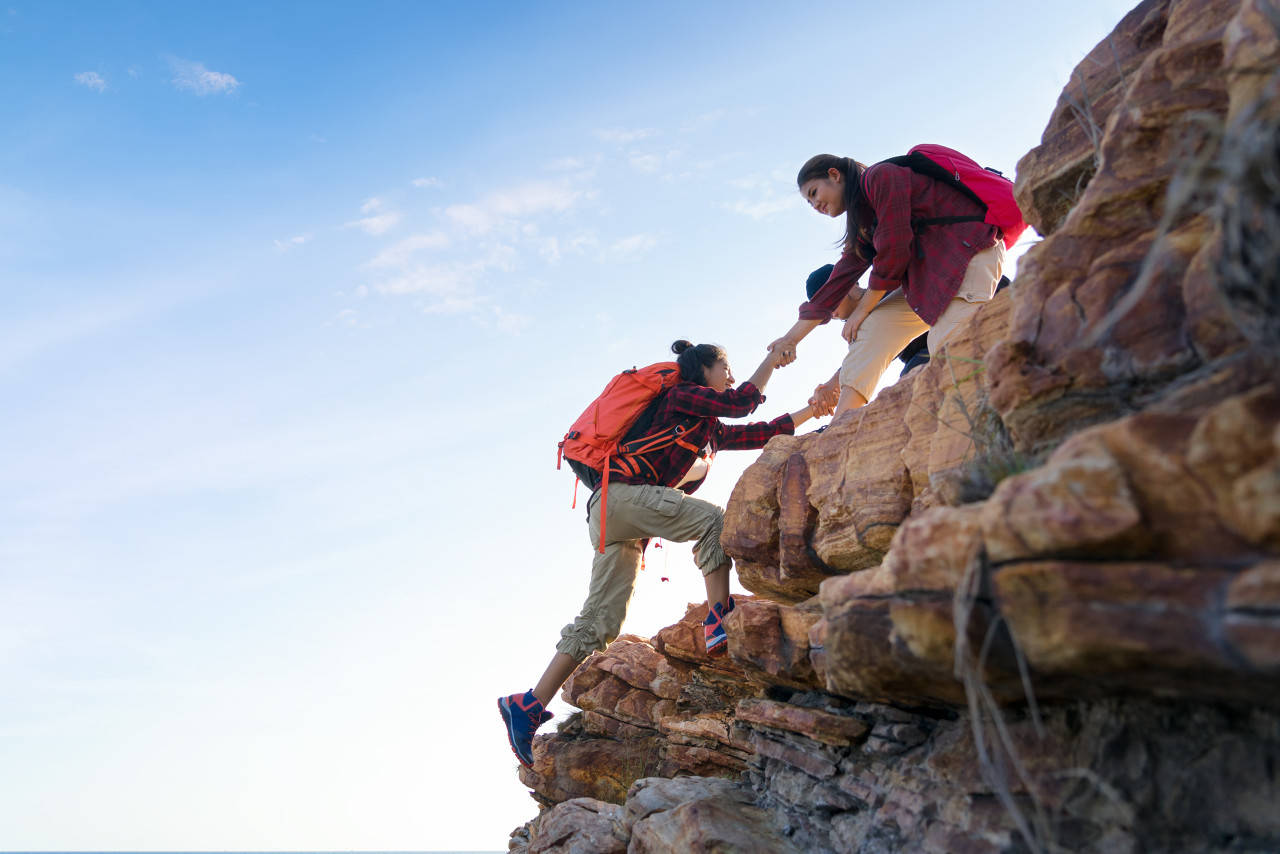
[
  {"x": 785, "y": 347},
  {"x": 801, "y": 415},
  {"x": 762, "y": 374}
]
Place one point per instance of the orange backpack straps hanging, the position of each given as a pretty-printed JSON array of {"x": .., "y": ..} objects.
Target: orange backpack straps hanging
[{"x": 595, "y": 438}]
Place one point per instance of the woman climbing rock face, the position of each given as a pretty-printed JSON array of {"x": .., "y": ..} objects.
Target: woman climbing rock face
[
  {"x": 649, "y": 494},
  {"x": 924, "y": 278}
]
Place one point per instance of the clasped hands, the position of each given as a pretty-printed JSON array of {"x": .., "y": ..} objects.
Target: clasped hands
[{"x": 825, "y": 396}]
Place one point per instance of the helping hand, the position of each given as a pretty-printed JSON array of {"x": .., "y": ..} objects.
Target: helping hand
[
  {"x": 825, "y": 397},
  {"x": 784, "y": 351}
]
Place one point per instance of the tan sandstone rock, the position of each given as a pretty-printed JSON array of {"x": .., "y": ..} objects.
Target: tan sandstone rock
[
  {"x": 1068, "y": 361},
  {"x": 770, "y": 641},
  {"x": 1051, "y": 176},
  {"x": 812, "y": 723}
]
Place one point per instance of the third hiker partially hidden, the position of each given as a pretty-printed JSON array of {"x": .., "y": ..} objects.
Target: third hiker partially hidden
[{"x": 643, "y": 482}]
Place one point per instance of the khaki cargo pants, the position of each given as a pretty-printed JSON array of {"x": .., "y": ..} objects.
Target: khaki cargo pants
[
  {"x": 636, "y": 513},
  {"x": 892, "y": 324}
]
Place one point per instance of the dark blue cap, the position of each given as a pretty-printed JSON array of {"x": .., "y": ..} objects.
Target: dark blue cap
[{"x": 817, "y": 279}]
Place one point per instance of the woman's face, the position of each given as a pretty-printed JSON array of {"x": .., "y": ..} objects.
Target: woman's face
[
  {"x": 719, "y": 376},
  {"x": 825, "y": 195}
]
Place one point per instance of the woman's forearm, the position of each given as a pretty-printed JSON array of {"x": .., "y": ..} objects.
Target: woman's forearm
[
  {"x": 783, "y": 350},
  {"x": 800, "y": 329},
  {"x": 762, "y": 374},
  {"x": 864, "y": 307},
  {"x": 870, "y": 299},
  {"x": 801, "y": 415}
]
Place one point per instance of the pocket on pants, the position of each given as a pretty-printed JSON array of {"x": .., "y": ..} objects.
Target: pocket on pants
[{"x": 663, "y": 500}]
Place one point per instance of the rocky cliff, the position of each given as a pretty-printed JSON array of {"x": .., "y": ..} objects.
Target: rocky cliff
[{"x": 1029, "y": 598}]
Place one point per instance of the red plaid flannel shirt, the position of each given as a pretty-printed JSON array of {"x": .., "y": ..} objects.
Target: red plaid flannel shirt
[
  {"x": 698, "y": 407},
  {"x": 928, "y": 263}
]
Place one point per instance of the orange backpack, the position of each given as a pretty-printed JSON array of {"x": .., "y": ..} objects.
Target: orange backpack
[{"x": 603, "y": 437}]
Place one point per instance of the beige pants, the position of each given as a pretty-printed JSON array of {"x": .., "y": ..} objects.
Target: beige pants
[
  {"x": 892, "y": 324},
  {"x": 636, "y": 513}
]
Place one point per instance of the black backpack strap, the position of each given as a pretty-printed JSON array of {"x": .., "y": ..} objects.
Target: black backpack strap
[
  {"x": 945, "y": 220},
  {"x": 917, "y": 162}
]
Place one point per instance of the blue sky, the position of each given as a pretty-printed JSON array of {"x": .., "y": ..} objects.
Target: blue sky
[{"x": 295, "y": 303}]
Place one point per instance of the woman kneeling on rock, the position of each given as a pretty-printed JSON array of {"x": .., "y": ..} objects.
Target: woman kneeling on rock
[
  {"x": 929, "y": 278},
  {"x": 658, "y": 504}
]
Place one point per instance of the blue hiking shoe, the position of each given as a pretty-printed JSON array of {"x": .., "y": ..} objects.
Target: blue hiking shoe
[
  {"x": 523, "y": 714},
  {"x": 713, "y": 628}
]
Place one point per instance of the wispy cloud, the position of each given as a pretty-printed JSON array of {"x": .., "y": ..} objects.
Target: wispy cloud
[
  {"x": 633, "y": 246},
  {"x": 624, "y": 136},
  {"x": 771, "y": 194},
  {"x": 452, "y": 281},
  {"x": 566, "y": 164},
  {"x": 423, "y": 183},
  {"x": 527, "y": 200},
  {"x": 92, "y": 80},
  {"x": 645, "y": 162},
  {"x": 763, "y": 208},
  {"x": 376, "y": 225},
  {"x": 379, "y": 222},
  {"x": 292, "y": 242},
  {"x": 510, "y": 322},
  {"x": 401, "y": 253},
  {"x": 194, "y": 77}
]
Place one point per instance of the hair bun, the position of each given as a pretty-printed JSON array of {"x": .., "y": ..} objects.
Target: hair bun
[{"x": 680, "y": 346}]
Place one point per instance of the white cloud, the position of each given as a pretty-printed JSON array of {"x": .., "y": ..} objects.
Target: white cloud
[
  {"x": 579, "y": 243},
  {"x": 772, "y": 194},
  {"x": 566, "y": 164},
  {"x": 645, "y": 162},
  {"x": 399, "y": 254},
  {"x": 763, "y": 208},
  {"x": 92, "y": 80},
  {"x": 444, "y": 288},
  {"x": 194, "y": 77},
  {"x": 533, "y": 199},
  {"x": 629, "y": 247},
  {"x": 549, "y": 249},
  {"x": 378, "y": 223},
  {"x": 509, "y": 322},
  {"x": 425, "y": 182},
  {"x": 286, "y": 245},
  {"x": 624, "y": 136},
  {"x": 527, "y": 200}
]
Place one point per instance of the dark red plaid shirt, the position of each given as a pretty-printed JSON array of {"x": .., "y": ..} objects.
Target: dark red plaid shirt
[
  {"x": 928, "y": 263},
  {"x": 699, "y": 409}
]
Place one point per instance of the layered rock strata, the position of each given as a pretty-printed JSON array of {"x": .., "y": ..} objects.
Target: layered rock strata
[{"x": 1028, "y": 599}]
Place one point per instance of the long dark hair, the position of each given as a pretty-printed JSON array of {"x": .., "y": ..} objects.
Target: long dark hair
[
  {"x": 817, "y": 167},
  {"x": 694, "y": 360}
]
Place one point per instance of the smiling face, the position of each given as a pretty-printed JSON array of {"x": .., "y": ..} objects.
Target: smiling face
[
  {"x": 719, "y": 376},
  {"x": 825, "y": 195}
]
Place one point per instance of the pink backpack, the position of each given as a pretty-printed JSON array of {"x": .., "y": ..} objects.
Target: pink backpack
[{"x": 987, "y": 187}]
